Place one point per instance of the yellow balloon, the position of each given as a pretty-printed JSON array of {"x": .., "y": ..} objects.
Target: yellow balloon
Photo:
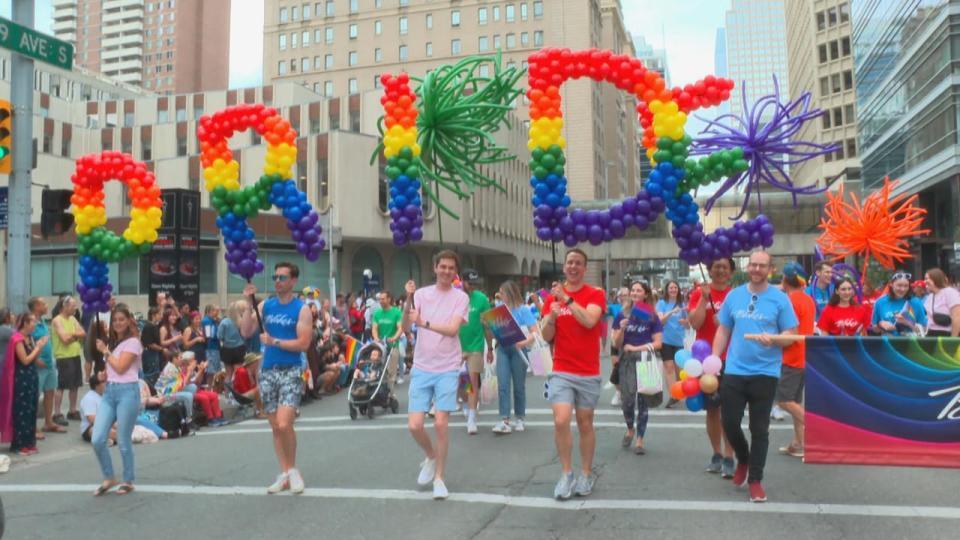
[{"x": 683, "y": 374}]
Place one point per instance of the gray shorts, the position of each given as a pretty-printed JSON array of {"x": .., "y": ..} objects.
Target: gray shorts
[
  {"x": 790, "y": 387},
  {"x": 581, "y": 392},
  {"x": 280, "y": 387}
]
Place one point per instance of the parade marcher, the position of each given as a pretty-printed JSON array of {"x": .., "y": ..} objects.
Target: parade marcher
[
  {"x": 438, "y": 311},
  {"x": 637, "y": 329},
  {"x": 673, "y": 315},
  {"x": 705, "y": 304},
  {"x": 752, "y": 367},
  {"x": 121, "y": 399},
  {"x": 387, "y": 328},
  {"x": 573, "y": 314},
  {"x": 790, "y": 387},
  {"x": 899, "y": 312},
  {"x": 942, "y": 305},
  {"x": 821, "y": 291},
  {"x": 843, "y": 316},
  {"x": 512, "y": 364},
  {"x": 285, "y": 335},
  {"x": 473, "y": 339}
]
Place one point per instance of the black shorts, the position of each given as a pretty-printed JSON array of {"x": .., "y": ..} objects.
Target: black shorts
[
  {"x": 668, "y": 352},
  {"x": 69, "y": 373},
  {"x": 232, "y": 356},
  {"x": 790, "y": 387}
]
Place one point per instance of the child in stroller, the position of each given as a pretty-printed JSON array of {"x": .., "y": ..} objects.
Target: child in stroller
[{"x": 368, "y": 387}]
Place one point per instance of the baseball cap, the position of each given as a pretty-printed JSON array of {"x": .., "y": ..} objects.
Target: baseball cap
[
  {"x": 470, "y": 276},
  {"x": 793, "y": 269}
]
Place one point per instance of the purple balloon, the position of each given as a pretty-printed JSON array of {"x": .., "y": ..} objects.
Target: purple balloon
[
  {"x": 656, "y": 204},
  {"x": 566, "y": 224},
  {"x": 404, "y": 224},
  {"x": 593, "y": 218},
  {"x": 543, "y": 233},
  {"x": 627, "y": 220},
  {"x": 556, "y": 235},
  {"x": 539, "y": 222},
  {"x": 570, "y": 240},
  {"x": 580, "y": 231},
  {"x": 641, "y": 222},
  {"x": 616, "y": 228},
  {"x": 416, "y": 234},
  {"x": 616, "y": 211},
  {"x": 595, "y": 234},
  {"x": 312, "y": 256},
  {"x": 629, "y": 206},
  {"x": 604, "y": 219},
  {"x": 399, "y": 239},
  {"x": 579, "y": 217}
]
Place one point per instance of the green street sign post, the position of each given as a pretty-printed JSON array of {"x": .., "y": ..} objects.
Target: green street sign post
[{"x": 29, "y": 42}]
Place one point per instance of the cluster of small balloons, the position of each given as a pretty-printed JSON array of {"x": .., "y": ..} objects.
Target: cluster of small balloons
[
  {"x": 402, "y": 151},
  {"x": 94, "y": 287},
  {"x": 698, "y": 376},
  {"x": 597, "y": 226},
  {"x": 303, "y": 222},
  {"x": 96, "y": 244},
  {"x": 234, "y": 205}
]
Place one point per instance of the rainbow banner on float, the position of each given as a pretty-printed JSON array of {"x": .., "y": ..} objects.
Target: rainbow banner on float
[{"x": 883, "y": 401}]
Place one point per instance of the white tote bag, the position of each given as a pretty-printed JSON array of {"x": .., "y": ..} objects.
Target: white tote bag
[{"x": 649, "y": 374}]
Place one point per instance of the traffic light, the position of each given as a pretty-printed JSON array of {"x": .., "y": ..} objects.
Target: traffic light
[
  {"x": 6, "y": 136},
  {"x": 54, "y": 217}
]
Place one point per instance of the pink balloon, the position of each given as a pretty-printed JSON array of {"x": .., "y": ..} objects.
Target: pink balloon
[{"x": 712, "y": 365}]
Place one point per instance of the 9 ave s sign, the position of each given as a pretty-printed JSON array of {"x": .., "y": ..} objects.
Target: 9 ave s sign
[{"x": 42, "y": 47}]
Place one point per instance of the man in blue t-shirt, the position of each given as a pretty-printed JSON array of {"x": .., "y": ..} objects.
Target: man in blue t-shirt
[
  {"x": 823, "y": 288},
  {"x": 752, "y": 318}
]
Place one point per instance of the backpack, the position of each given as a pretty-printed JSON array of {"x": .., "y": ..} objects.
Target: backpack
[{"x": 173, "y": 419}]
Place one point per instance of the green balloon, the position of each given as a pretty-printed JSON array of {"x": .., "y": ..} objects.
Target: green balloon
[
  {"x": 678, "y": 149},
  {"x": 661, "y": 156},
  {"x": 540, "y": 173},
  {"x": 406, "y": 153},
  {"x": 238, "y": 210},
  {"x": 537, "y": 154},
  {"x": 403, "y": 163},
  {"x": 740, "y": 165},
  {"x": 548, "y": 162},
  {"x": 678, "y": 161},
  {"x": 555, "y": 150},
  {"x": 558, "y": 170},
  {"x": 412, "y": 171},
  {"x": 664, "y": 143}
]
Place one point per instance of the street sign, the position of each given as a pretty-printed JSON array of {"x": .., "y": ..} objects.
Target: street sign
[{"x": 29, "y": 42}]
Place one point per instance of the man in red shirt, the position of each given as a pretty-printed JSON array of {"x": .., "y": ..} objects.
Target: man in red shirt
[
  {"x": 790, "y": 387},
  {"x": 705, "y": 304},
  {"x": 572, "y": 323}
]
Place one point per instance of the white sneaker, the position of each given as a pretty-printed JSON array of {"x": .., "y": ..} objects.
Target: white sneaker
[
  {"x": 777, "y": 414},
  {"x": 471, "y": 422},
  {"x": 616, "y": 400},
  {"x": 399, "y": 380},
  {"x": 518, "y": 425},
  {"x": 428, "y": 470},
  {"x": 607, "y": 385},
  {"x": 281, "y": 484},
  {"x": 440, "y": 490},
  {"x": 296, "y": 481},
  {"x": 502, "y": 428}
]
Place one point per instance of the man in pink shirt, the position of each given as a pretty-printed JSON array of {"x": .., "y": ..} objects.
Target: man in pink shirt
[{"x": 437, "y": 311}]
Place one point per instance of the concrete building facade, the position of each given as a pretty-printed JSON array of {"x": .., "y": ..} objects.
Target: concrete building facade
[
  {"x": 165, "y": 46},
  {"x": 820, "y": 60}
]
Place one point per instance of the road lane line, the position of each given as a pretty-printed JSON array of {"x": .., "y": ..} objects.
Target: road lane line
[
  {"x": 857, "y": 510},
  {"x": 366, "y": 425},
  {"x": 530, "y": 412}
]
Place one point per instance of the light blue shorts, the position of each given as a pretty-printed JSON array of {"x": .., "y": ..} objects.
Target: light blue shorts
[
  {"x": 427, "y": 388},
  {"x": 46, "y": 379}
]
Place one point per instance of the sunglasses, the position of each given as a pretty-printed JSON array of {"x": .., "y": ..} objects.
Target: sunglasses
[
  {"x": 901, "y": 275},
  {"x": 753, "y": 303},
  {"x": 280, "y": 277}
]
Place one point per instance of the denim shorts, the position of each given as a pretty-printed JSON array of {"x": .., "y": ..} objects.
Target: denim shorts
[
  {"x": 46, "y": 379},
  {"x": 427, "y": 388},
  {"x": 280, "y": 386}
]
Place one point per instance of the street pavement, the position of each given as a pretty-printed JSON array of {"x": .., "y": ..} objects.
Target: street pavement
[{"x": 361, "y": 483}]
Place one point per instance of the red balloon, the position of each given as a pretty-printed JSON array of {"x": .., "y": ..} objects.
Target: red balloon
[{"x": 691, "y": 386}]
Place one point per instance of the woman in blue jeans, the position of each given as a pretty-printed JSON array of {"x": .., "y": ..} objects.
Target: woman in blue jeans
[
  {"x": 512, "y": 363},
  {"x": 121, "y": 399}
]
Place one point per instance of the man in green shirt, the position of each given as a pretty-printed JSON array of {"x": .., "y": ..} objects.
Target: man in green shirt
[
  {"x": 472, "y": 339},
  {"x": 386, "y": 327}
]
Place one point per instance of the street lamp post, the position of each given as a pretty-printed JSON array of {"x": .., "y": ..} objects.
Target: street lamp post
[{"x": 606, "y": 197}]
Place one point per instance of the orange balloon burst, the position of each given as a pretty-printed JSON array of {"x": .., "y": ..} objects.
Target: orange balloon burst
[{"x": 878, "y": 228}]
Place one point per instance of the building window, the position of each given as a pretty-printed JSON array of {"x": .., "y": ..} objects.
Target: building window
[
  {"x": 377, "y": 54},
  {"x": 284, "y": 16},
  {"x": 845, "y": 46},
  {"x": 834, "y": 50},
  {"x": 851, "y": 148},
  {"x": 403, "y": 26},
  {"x": 316, "y": 36},
  {"x": 822, "y": 53},
  {"x": 496, "y": 42},
  {"x": 483, "y": 43},
  {"x": 844, "y": 10},
  {"x": 826, "y": 121},
  {"x": 65, "y": 146},
  {"x": 47, "y": 144},
  {"x": 429, "y": 49},
  {"x": 837, "y": 116},
  {"x": 352, "y": 58},
  {"x": 847, "y": 80},
  {"x": 523, "y": 11},
  {"x": 537, "y": 9},
  {"x": 824, "y": 86},
  {"x": 821, "y": 21},
  {"x": 455, "y": 46},
  {"x": 293, "y": 40},
  {"x": 496, "y": 13},
  {"x": 328, "y": 88},
  {"x": 128, "y": 119},
  {"x": 305, "y": 11},
  {"x": 283, "y": 42},
  {"x": 403, "y": 53},
  {"x": 524, "y": 39},
  {"x": 294, "y": 13},
  {"x": 181, "y": 115},
  {"x": 538, "y": 38},
  {"x": 377, "y": 28},
  {"x": 353, "y": 31},
  {"x": 181, "y": 145},
  {"x": 455, "y": 18},
  {"x": 429, "y": 21},
  {"x": 331, "y": 10},
  {"x": 835, "y": 82},
  {"x": 831, "y": 17},
  {"x": 511, "y": 13},
  {"x": 323, "y": 185},
  {"x": 163, "y": 116},
  {"x": 376, "y": 82},
  {"x": 305, "y": 39},
  {"x": 304, "y": 64},
  {"x": 352, "y": 86},
  {"x": 511, "y": 41},
  {"x": 317, "y": 63},
  {"x": 328, "y": 61},
  {"x": 354, "y": 7},
  {"x": 482, "y": 15},
  {"x": 838, "y": 155},
  {"x": 355, "y": 121},
  {"x": 484, "y": 70}
]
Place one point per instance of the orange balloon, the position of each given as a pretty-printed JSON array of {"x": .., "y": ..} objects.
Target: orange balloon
[{"x": 676, "y": 390}]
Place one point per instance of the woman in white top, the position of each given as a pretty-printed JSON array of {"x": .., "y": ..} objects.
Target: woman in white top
[
  {"x": 942, "y": 305},
  {"x": 121, "y": 399}
]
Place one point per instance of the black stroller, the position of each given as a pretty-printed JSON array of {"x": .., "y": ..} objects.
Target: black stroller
[{"x": 370, "y": 389}]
